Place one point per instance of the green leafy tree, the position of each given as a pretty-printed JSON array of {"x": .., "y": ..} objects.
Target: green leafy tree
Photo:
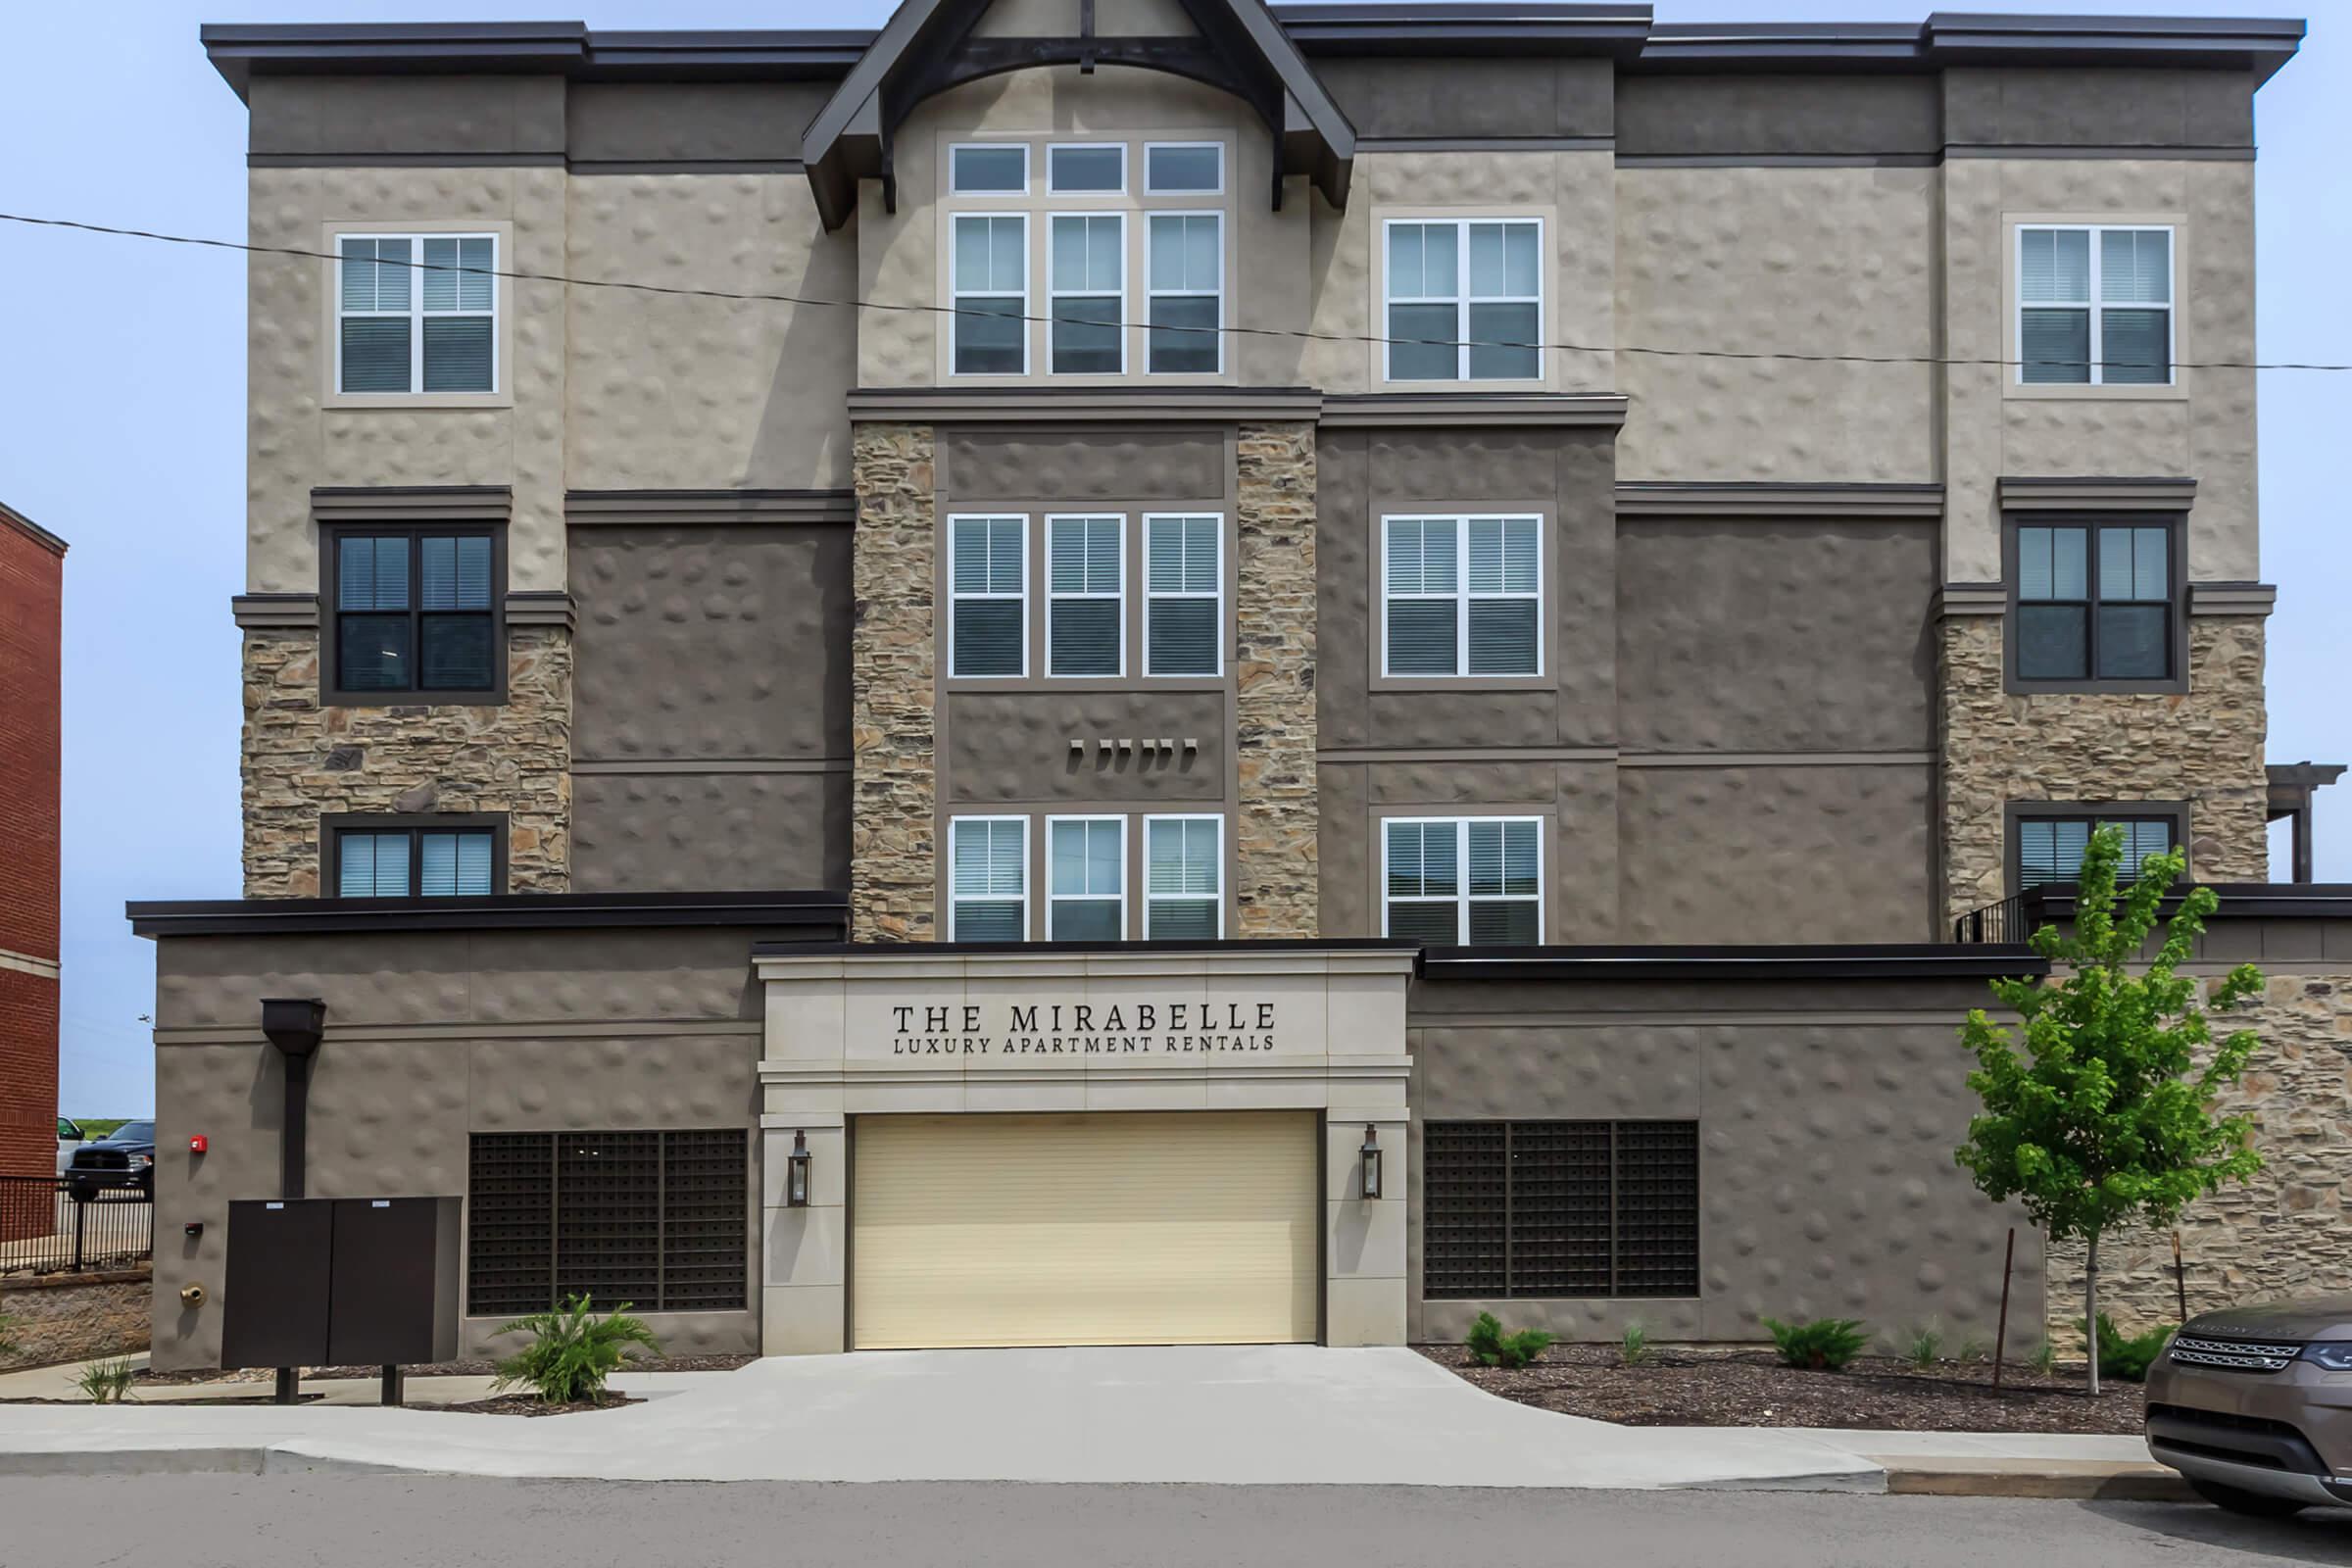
[{"x": 2106, "y": 1116}]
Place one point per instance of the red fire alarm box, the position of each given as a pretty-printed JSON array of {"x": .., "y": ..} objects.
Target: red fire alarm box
[{"x": 197, "y": 1145}]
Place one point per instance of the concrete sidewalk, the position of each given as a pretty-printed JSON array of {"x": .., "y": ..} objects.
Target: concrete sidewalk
[{"x": 1272, "y": 1415}]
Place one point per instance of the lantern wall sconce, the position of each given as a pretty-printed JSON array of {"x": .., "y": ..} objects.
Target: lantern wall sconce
[
  {"x": 796, "y": 1172},
  {"x": 1369, "y": 1158}
]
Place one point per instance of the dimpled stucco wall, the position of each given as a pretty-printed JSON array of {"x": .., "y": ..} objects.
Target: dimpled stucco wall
[
  {"x": 294, "y": 443},
  {"x": 899, "y": 255},
  {"x": 2203, "y": 430},
  {"x": 673, "y": 392},
  {"x": 1825, "y": 1176},
  {"x": 1573, "y": 190},
  {"x": 1809, "y": 259},
  {"x": 431, "y": 1038}
]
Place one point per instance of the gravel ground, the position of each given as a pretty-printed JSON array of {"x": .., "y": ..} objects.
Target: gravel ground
[
  {"x": 446, "y": 1369},
  {"x": 532, "y": 1404},
  {"x": 1750, "y": 1388}
]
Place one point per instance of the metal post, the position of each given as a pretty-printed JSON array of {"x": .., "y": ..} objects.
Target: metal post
[
  {"x": 81, "y": 1215},
  {"x": 2000, "y": 1334},
  {"x": 289, "y": 1379},
  {"x": 392, "y": 1390},
  {"x": 2180, "y": 1277}
]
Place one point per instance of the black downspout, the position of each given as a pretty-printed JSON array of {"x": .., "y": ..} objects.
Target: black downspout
[{"x": 293, "y": 1026}]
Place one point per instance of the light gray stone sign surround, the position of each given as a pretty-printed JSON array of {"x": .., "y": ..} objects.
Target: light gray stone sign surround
[{"x": 853, "y": 1035}]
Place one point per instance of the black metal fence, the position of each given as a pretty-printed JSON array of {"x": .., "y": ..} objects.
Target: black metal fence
[
  {"x": 45, "y": 1229},
  {"x": 2011, "y": 921}
]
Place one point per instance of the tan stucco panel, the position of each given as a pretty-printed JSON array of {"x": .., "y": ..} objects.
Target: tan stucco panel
[
  {"x": 1839, "y": 259},
  {"x": 2202, "y": 428},
  {"x": 674, "y": 392},
  {"x": 295, "y": 443}
]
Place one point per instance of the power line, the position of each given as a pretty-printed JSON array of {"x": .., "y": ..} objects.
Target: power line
[{"x": 1305, "y": 334}]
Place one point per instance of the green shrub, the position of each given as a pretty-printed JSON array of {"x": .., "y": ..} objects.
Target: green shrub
[
  {"x": 1972, "y": 1349},
  {"x": 104, "y": 1382},
  {"x": 1822, "y": 1344},
  {"x": 1924, "y": 1347},
  {"x": 572, "y": 1352},
  {"x": 1490, "y": 1345},
  {"x": 2129, "y": 1356},
  {"x": 8, "y": 1338},
  {"x": 1633, "y": 1349},
  {"x": 2045, "y": 1359}
]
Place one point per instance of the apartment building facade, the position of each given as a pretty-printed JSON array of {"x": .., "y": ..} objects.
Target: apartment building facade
[
  {"x": 1113, "y": 670},
  {"x": 31, "y": 622}
]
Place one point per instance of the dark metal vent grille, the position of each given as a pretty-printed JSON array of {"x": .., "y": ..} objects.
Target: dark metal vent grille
[
  {"x": 704, "y": 1252},
  {"x": 1560, "y": 1208},
  {"x": 511, "y": 1244},
  {"x": 1657, "y": 1208},
  {"x": 1463, "y": 1224},
  {"x": 656, "y": 1220}
]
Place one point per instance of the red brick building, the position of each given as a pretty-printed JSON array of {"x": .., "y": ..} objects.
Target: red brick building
[{"x": 31, "y": 591}]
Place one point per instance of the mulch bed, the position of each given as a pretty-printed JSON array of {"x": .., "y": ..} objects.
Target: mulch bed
[
  {"x": 446, "y": 1369},
  {"x": 1751, "y": 1389},
  {"x": 531, "y": 1404}
]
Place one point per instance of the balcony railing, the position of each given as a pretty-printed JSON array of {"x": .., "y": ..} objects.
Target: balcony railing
[{"x": 2008, "y": 924}]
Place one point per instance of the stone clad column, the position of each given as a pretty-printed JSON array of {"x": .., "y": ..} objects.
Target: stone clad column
[
  {"x": 1274, "y": 705},
  {"x": 892, "y": 823}
]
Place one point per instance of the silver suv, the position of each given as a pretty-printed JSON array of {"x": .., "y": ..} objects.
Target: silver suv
[{"x": 2254, "y": 1406}]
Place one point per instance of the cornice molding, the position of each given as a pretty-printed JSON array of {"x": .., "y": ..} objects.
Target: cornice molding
[
  {"x": 2097, "y": 493},
  {"x": 275, "y": 612},
  {"x": 589, "y": 509},
  {"x": 1670, "y": 499}
]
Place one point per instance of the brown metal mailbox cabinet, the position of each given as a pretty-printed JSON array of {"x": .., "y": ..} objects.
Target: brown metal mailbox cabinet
[
  {"x": 392, "y": 1296},
  {"x": 341, "y": 1281}
]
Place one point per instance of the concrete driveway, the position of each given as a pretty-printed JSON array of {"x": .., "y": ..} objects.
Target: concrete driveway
[{"x": 1273, "y": 1415}]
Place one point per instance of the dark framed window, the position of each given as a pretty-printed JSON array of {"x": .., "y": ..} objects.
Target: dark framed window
[
  {"x": 2097, "y": 604},
  {"x": 2046, "y": 842},
  {"x": 412, "y": 613},
  {"x": 446, "y": 855},
  {"x": 656, "y": 1219},
  {"x": 1560, "y": 1208}
]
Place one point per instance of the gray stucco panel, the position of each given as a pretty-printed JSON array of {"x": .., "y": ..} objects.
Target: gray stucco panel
[
  {"x": 710, "y": 832},
  {"x": 1051, "y": 469},
  {"x": 1460, "y": 99},
  {"x": 1777, "y": 115},
  {"x": 1014, "y": 747},
  {"x": 724, "y": 122},
  {"x": 406, "y": 116},
  {"x": 2032, "y": 106}
]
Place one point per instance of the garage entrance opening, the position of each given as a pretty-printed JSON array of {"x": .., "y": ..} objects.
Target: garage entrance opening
[{"x": 1093, "y": 1228}]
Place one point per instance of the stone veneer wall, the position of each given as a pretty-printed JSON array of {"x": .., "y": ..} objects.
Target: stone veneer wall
[
  {"x": 303, "y": 761},
  {"x": 2203, "y": 745},
  {"x": 1276, "y": 887},
  {"x": 893, "y": 727},
  {"x": 2286, "y": 1232}
]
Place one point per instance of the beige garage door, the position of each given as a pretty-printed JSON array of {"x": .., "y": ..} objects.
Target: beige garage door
[{"x": 1144, "y": 1227}]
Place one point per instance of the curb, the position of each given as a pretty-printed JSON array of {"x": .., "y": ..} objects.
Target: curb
[
  {"x": 270, "y": 1461},
  {"x": 2082, "y": 1481}
]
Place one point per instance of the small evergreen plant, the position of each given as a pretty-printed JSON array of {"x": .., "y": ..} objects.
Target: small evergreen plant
[
  {"x": 571, "y": 1351},
  {"x": 1821, "y": 1344},
  {"x": 1490, "y": 1345}
]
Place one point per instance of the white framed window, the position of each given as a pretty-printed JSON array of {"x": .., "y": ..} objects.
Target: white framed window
[
  {"x": 1184, "y": 169},
  {"x": 1461, "y": 596},
  {"x": 1462, "y": 881},
  {"x": 417, "y": 313},
  {"x": 1184, "y": 878},
  {"x": 1087, "y": 280},
  {"x": 988, "y": 602},
  {"x": 1087, "y": 169},
  {"x": 2094, "y": 304},
  {"x": 1185, "y": 285},
  {"x": 1466, "y": 299},
  {"x": 1086, "y": 606},
  {"x": 989, "y": 169},
  {"x": 987, "y": 879},
  {"x": 1086, "y": 879},
  {"x": 1184, "y": 594},
  {"x": 989, "y": 264}
]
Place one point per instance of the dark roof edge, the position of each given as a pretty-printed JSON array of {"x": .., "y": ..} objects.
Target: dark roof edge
[
  {"x": 1623, "y": 33},
  {"x": 1734, "y": 961},
  {"x": 821, "y": 911},
  {"x": 31, "y": 530},
  {"x": 922, "y": 950},
  {"x": 2240, "y": 900}
]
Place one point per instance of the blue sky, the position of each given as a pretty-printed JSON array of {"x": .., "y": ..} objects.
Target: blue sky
[{"x": 121, "y": 426}]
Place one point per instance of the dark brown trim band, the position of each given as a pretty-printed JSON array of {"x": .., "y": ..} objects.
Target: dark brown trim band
[
  {"x": 586, "y": 509},
  {"x": 1768, "y": 499},
  {"x": 825, "y": 914},
  {"x": 1761, "y": 962}
]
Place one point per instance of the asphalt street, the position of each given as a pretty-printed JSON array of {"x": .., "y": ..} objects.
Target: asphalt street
[{"x": 362, "y": 1521}]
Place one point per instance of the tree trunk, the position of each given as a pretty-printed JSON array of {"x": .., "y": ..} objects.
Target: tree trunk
[{"x": 2090, "y": 1310}]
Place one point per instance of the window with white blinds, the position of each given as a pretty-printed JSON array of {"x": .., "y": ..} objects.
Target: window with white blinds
[
  {"x": 1465, "y": 300},
  {"x": 989, "y": 282},
  {"x": 414, "y": 610},
  {"x": 417, "y": 313},
  {"x": 416, "y": 862},
  {"x": 2094, "y": 601},
  {"x": 1461, "y": 596},
  {"x": 1463, "y": 881},
  {"x": 2094, "y": 304},
  {"x": 987, "y": 596},
  {"x": 1086, "y": 620},
  {"x": 987, "y": 879},
  {"x": 1183, "y": 595},
  {"x": 1186, "y": 284},
  {"x": 2049, "y": 848},
  {"x": 1086, "y": 878},
  {"x": 1184, "y": 878}
]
